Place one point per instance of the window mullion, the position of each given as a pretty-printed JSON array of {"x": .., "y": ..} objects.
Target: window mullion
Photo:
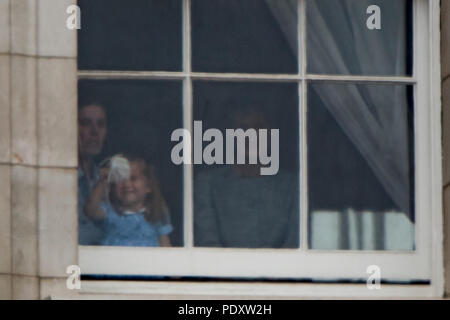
[
  {"x": 301, "y": 14},
  {"x": 187, "y": 124}
]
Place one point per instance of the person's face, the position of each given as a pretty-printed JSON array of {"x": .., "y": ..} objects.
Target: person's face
[
  {"x": 252, "y": 120},
  {"x": 133, "y": 191},
  {"x": 92, "y": 130}
]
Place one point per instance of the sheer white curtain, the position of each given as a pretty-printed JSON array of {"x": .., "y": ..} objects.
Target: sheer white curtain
[{"x": 374, "y": 118}]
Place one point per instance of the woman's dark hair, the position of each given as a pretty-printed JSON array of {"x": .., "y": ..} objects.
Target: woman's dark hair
[{"x": 86, "y": 103}]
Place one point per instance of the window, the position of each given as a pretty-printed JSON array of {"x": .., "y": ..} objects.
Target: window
[{"x": 333, "y": 172}]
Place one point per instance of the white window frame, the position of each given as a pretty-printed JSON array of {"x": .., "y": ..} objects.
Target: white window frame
[{"x": 426, "y": 262}]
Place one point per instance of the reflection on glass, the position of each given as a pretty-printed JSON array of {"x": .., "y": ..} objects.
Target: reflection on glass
[
  {"x": 340, "y": 42},
  {"x": 130, "y": 35},
  {"x": 360, "y": 167},
  {"x": 235, "y": 205},
  {"x": 252, "y": 36},
  {"x": 129, "y": 191}
]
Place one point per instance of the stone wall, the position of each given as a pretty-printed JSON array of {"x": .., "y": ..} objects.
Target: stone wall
[{"x": 38, "y": 152}]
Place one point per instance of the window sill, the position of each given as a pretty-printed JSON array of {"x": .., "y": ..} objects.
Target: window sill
[{"x": 91, "y": 289}]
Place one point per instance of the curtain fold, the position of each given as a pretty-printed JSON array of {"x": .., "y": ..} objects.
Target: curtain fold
[
  {"x": 377, "y": 127},
  {"x": 374, "y": 118}
]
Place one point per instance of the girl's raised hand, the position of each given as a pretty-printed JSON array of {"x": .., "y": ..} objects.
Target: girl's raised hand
[{"x": 104, "y": 173}]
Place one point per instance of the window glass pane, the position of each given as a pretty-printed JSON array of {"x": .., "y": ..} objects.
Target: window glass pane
[
  {"x": 239, "y": 204},
  {"x": 130, "y": 35},
  {"x": 360, "y": 167},
  {"x": 339, "y": 40},
  {"x": 134, "y": 118},
  {"x": 252, "y": 36}
]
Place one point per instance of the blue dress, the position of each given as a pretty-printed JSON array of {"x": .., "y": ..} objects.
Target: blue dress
[{"x": 131, "y": 229}]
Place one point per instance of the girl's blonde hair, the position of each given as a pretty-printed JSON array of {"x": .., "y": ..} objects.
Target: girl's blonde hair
[{"x": 156, "y": 209}]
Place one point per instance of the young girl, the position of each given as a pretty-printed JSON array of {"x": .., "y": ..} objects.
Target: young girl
[{"x": 137, "y": 214}]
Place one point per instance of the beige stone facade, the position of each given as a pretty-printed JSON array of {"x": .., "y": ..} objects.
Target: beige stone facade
[{"x": 38, "y": 97}]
